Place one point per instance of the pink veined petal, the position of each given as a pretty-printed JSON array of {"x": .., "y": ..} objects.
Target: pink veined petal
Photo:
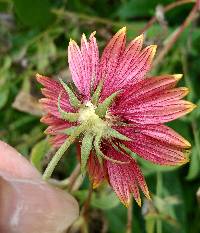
[
  {"x": 130, "y": 54},
  {"x": 48, "y": 82},
  {"x": 51, "y": 92},
  {"x": 144, "y": 89},
  {"x": 95, "y": 171},
  {"x": 158, "y": 153},
  {"x": 160, "y": 132},
  {"x": 118, "y": 182},
  {"x": 152, "y": 146},
  {"x": 55, "y": 128},
  {"x": 58, "y": 140},
  {"x": 51, "y": 106},
  {"x": 51, "y": 120},
  {"x": 168, "y": 95},
  {"x": 163, "y": 97},
  {"x": 75, "y": 60},
  {"x": 138, "y": 67},
  {"x": 83, "y": 63},
  {"x": 157, "y": 112},
  {"x": 125, "y": 178},
  {"x": 110, "y": 61}
]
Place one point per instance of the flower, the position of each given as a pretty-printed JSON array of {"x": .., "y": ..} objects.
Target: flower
[{"x": 117, "y": 112}]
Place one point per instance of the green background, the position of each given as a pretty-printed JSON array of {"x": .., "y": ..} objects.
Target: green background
[{"x": 33, "y": 39}]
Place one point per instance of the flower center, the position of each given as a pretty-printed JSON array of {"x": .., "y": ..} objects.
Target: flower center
[{"x": 95, "y": 124}]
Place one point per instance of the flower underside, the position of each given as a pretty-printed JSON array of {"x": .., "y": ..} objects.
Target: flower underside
[
  {"x": 94, "y": 121},
  {"x": 116, "y": 113}
]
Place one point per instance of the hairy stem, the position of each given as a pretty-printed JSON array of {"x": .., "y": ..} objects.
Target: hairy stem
[{"x": 56, "y": 158}]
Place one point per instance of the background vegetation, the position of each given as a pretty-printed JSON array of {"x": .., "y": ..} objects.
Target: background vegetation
[{"x": 33, "y": 39}]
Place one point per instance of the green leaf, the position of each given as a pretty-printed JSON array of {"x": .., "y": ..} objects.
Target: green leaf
[
  {"x": 105, "y": 200},
  {"x": 150, "y": 225},
  {"x": 196, "y": 113},
  {"x": 135, "y": 8},
  {"x": 151, "y": 168},
  {"x": 46, "y": 52},
  {"x": 35, "y": 13},
  {"x": 117, "y": 219},
  {"x": 38, "y": 153},
  {"x": 86, "y": 147},
  {"x": 4, "y": 93},
  {"x": 74, "y": 101},
  {"x": 194, "y": 165}
]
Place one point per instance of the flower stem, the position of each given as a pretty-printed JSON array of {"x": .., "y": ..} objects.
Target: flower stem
[{"x": 58, "y": 155}]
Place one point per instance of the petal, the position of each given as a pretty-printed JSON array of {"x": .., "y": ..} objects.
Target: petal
[
  {"x": 162, "y": 146},
  {"x": 163, "y": 133},
  {"x": 138, "y": 67},
  {"x": 52, "y": 120},
  {"x": 110, "y": 61},
  {"x": 55, "y": 128},
  {"x": 153, "y": 101},
  {"x": 83, "y": 63},
  {"x": 144, "y": 89},
  {"x": 125, "y": 178},
  {"x": 157, "y": 113},
  {"x": 95, "y": 171},
  {"x": 58, "y": 140},
  {"x": 129, "y": 55},
  {"x": 51, "y": 92}
]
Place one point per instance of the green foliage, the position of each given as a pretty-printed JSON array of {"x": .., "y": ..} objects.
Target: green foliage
[
  {"x": 103, "y": 200},
  {"x": 34, "y": 13},
  {"x": 142, "y": 8},
  {"x": 38, "y": 152}
]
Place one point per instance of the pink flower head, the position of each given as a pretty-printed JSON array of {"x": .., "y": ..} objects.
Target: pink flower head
[{"x": 117, "y": 112}]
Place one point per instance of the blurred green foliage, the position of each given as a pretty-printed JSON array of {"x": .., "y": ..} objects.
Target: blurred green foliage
[{"x": 33, "y": 39}]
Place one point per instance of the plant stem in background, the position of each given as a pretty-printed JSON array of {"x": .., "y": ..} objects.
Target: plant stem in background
[
  {"x": 175, "y": 35},
  {"x": 159, "y": 194},
  {"x": 85, "y": 210},
  {"x": 196, "y": 136},
  {"x": 188, "y": 81},
  {"x": 166, "y": 9},
  {"x": 129, "y": 216},
  {"x": 109, "y": 22}
]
